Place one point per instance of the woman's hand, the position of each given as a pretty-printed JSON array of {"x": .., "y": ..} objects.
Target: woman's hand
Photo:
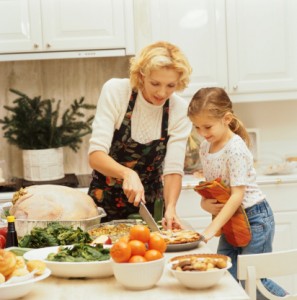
[
  {"x": 211, "y": 205},
  {"x": 133, "y": 188},
  {"x": 170, "y": 220}
]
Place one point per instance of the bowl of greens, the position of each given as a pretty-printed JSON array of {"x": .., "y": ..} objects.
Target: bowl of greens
[{"x": 75, "y": 261}]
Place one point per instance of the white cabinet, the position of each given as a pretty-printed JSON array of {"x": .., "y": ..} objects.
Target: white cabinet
[
  {"x": 35, "y": 26},
  {"x": 248, "y": 47},
  {"x": 282, "y": 199}
]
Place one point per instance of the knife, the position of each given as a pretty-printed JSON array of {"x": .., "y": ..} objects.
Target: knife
[{"x": 147, "y": 217}]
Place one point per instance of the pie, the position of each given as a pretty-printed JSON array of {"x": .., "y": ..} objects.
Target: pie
[{"x": 180, "y": 236}]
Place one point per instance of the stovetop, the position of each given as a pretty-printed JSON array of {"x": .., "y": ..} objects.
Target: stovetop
[{"x": 71, "y": 180}]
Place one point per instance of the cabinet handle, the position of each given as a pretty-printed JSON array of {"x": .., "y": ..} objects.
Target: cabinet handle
[
  {"x": 235, "y": 87},
  {"x": 48, "y": 45},
  {"x": 35, "y": 46}
]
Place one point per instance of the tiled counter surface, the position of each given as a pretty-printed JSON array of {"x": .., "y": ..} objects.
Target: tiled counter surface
[{"x": 168, "y": 288}]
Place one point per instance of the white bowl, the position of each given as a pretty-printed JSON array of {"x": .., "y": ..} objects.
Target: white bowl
[
  {"x": 92, "y": 269},
  {"x": 139, "y": 276},
  {"x": 22, "y": 288},
  {"x": 199, "y": 279}
]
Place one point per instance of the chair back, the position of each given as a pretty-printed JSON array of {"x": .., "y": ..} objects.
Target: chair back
[{"x": 253, "y": 267}]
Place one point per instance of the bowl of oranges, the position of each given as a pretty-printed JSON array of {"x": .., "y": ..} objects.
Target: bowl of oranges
[{"x": 138, "y": 258}]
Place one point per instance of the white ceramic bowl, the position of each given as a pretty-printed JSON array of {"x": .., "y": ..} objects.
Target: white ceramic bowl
[
  {"x": 199, "y": 279},
  {"x": 92, "y": 269},
  {"x": 139, "y": 276},
  {"x": 22, "y": 288}
]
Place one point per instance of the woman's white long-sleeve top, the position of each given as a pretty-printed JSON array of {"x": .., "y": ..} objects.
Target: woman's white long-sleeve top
[{"x": 146, "y": 122}]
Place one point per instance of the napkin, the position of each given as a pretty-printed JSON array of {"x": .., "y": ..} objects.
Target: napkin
[{"x": 237, "y": 230}]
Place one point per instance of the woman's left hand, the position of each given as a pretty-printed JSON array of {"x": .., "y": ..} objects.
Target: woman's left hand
[{"x": 171, "y": 221}]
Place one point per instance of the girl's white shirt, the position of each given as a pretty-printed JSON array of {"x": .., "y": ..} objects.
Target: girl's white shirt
[
  {"x": 146, "y": 122},
  {"x": 234, "y": 165}
]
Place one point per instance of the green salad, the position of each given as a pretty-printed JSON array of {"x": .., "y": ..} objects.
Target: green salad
[{"x": 80, "y": 253}]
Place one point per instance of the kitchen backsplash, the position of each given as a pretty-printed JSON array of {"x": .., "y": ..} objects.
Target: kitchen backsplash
[{"x": 72, "y": 78}]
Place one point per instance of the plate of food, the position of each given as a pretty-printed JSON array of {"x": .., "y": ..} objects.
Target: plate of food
[
  {"x": 112, "y": 230},
  {"x": 199, "y": 271},
  {"x": 181, "y": 239},
  {"x": 65, "y": 261}
]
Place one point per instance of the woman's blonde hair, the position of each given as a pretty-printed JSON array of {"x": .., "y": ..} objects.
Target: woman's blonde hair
[
  {"x": 157, "y": 56},
  {"x": 215, "y": 102}
]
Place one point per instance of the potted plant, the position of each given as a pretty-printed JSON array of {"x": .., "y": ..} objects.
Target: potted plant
[{"x": 37, "y": 125}]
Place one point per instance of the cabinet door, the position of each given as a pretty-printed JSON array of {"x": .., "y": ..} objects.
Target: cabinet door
[
  {"x": 262, "y": 48},
  {"x": 198, "y": 28},
  {"x": 83, "y": 24},
  {"x": 20, "y": 26}
]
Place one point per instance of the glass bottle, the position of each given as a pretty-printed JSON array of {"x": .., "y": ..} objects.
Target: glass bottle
[{"x": 11, "y": 240}]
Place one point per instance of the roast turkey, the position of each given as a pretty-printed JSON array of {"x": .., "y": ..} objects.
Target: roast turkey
[{"x": 52, "y": 202}]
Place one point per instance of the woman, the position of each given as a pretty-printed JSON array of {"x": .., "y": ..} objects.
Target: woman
[{"x": 138, "y": 142}]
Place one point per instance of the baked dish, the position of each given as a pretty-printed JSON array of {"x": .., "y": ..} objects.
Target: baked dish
[{"x": 180, "y": 236}]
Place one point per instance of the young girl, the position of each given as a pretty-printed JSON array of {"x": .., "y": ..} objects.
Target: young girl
[{"x": 224, "y": 154}]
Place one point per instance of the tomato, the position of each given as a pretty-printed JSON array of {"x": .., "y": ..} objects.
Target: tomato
[
  {"x": 137, "y": 247},
  {"x": 3, "y": 231},
  {"x": 140, "y": 232},
  {"x": 157, "y": 242},
  {"x": 137, "y": 259},
  {"x": 2, "y": 241},
  {"x": 120, "y": 251},
  {"x": 152, "y": 255}
]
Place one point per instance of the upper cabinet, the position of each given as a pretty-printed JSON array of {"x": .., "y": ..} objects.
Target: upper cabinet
[
  {"x": 248, "y": 47},
  {"x": 49, "y": 28}
]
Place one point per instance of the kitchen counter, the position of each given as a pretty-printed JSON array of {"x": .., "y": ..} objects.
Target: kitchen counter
[
  {"x": 167, "y": 288},
  {"x": 189, "y": 182}
]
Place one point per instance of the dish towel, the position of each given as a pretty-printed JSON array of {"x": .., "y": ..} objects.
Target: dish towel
[{"x": 237, "y": 230}]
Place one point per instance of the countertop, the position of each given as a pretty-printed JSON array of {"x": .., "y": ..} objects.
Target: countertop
[
  {"x": 189, "y": 182},
  {"x": 168, "y": 288}
]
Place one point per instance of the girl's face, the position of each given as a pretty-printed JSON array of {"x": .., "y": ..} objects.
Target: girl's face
[
  {"x": 215, "y": 131},
  {"x": 159, "y": 85}
]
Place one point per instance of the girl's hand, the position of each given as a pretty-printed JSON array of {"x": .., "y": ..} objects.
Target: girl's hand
[
  {"x": 133, "y": 188},
  {"x": 211, "y": 205}
]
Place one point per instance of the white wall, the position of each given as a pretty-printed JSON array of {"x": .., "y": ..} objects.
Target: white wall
[{"x": 277, "y": 124}]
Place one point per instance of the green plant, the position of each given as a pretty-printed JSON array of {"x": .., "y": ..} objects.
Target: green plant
[{"x": 36, "y": 123}]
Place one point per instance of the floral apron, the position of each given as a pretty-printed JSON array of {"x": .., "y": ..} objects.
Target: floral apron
[{"x": 146, "y": 159}]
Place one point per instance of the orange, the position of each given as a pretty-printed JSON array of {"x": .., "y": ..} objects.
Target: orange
[
  {"x": 152, "y": 255},
  {"x": 140, "y": 232},
  {"x": 137, "y": 247},
  {"x": 120, "y": 251},
  {"x": 137, "y": 259},
  {"x": 157, "y": 242}
]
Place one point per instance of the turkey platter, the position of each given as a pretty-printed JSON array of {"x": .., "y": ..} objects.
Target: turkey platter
[{"x": 51, "y": 203}]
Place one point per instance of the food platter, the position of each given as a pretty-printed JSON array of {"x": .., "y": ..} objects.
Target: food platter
[
  {"x": 181, "y": 240},
  {"x": 182, "y": 247},
  {"x": 92, "y": 269},
  {"x": 22, "y": 288},
  {"x": 114, "y": 229}
]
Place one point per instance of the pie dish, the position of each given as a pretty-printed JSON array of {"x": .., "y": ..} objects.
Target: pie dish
[{"x": 181, "y": 239}]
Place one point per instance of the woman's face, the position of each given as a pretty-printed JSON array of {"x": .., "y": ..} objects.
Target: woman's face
[{"x": 159, "y": 85}]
